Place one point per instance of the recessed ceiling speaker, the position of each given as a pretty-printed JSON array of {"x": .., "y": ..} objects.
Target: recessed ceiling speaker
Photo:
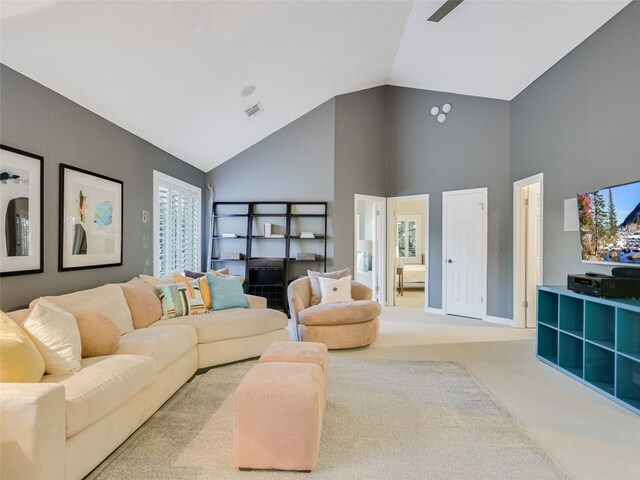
[{"x": 246, "y": 91}]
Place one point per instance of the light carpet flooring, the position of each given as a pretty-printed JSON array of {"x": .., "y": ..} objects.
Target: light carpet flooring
[
  {"x": 589, "y": 435},
  {"x": 386, "y": 419},
  {"x": 413, "y": 298}
]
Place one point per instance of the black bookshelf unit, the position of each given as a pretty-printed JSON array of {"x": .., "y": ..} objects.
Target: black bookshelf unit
[{"x": 269, "y": 263}]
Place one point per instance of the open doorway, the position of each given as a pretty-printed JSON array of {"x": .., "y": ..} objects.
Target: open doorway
[
  {"x": 527, "y": 248},
  {"x": 408, "y": 253},
  {"x": 369, "y": 243}
]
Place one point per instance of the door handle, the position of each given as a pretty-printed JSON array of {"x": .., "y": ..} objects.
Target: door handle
[{"x": 449, "y": 261}]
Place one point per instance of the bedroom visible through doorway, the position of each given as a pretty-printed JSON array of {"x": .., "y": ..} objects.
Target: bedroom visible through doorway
[{"x": 408, "y": 253}]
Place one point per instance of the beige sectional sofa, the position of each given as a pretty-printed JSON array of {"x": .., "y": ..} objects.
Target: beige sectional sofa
[{"x": 65, "y": 425}]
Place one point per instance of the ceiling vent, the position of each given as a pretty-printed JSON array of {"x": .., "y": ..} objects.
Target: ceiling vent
[{"x": 253, "y": 110}]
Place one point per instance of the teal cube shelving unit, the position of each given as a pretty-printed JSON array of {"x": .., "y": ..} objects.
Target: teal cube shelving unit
[{"x": 593, "y": 340}]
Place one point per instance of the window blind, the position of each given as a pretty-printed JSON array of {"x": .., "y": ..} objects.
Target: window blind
[{"x": 177, "y": 225}]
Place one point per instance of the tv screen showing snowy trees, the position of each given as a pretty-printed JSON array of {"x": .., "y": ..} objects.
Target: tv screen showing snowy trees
[{"x": 610, "y": 224}]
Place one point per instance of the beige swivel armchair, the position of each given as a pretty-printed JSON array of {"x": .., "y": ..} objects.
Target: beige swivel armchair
[{"x": 337, "y": 325}]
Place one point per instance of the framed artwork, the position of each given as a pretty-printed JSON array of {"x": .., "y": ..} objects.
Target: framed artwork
[
  {"x": 21, "y": 212},
  {"x": 91, "y": 223}
]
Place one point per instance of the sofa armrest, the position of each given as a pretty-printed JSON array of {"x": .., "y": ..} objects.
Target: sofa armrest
[
  {"x": 256, "y": 302},
  {"x": 32, "y": 431}
]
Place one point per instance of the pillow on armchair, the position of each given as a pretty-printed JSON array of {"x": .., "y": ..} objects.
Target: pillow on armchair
[
  {"x": 335, "y": 291},
  {"x": 316, "y": 292}
]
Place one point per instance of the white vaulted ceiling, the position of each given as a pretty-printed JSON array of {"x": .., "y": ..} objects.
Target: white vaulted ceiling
[{"x": 171, "y": 72}]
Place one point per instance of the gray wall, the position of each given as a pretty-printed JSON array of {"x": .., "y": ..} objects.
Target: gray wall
[
  {"x": 579, "y": 123},
  {"x": 469, "y": 150},
  {"x": 40, "y": 121},
  {"x": 360, "y": 162},
  {"x": 293, "y": 164}
]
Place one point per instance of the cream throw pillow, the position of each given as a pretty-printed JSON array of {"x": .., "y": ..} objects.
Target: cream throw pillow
[
  {"x": 335, "y": 291},
  {"x": 316, "y": 293},
  {"x": 20, "y": 360},
  {"x": 56, "y": 336}
]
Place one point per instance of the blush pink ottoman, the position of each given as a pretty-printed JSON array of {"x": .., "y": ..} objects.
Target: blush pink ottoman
[
  {"x": 279, "y": 408},
  {"x": 299, "y": 352}
]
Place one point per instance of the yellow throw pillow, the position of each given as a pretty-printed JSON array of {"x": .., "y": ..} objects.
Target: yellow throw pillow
[
  {"x": 205, "y": 291},
  {"x": 20, "y": 360}
]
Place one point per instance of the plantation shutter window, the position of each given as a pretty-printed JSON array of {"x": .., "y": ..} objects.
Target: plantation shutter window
[
  {"x": 408, "y": 237},
  {"x": 177, "y": 225}
]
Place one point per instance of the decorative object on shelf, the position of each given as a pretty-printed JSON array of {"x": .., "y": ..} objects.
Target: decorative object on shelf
[
  {"x": 307, "y": 235},
  {"x": 21, "y": 212},
  {"x": 305, "y": 256},
  {"x": 267, "y": 230},
  {"x": 229, "y": 235},
  {"x": 91, "y": 223},
  {"x": 232, "y": 255},
  {"x": 365, "y": 247}
]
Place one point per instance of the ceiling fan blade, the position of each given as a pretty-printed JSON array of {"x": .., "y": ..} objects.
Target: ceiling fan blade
[{"x": 444, "y": 10}]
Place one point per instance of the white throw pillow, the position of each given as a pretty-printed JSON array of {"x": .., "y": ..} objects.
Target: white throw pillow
[
  {"x": 56, "y": 336},
  {"x": 335, "y": 291}
]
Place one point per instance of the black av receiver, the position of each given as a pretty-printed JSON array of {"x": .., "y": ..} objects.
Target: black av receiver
[{"x": 604, "y": 285}]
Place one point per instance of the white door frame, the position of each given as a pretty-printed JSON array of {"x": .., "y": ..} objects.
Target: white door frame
[
  {"x": 381, "y": 238},
  {"x": 518, "y": 256},
  {"x": 445, "y": 195},
  {"x": 391, "y": 242}
]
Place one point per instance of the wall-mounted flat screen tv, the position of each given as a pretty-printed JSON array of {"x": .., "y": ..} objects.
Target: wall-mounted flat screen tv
[{"x": 610, "y": 225}]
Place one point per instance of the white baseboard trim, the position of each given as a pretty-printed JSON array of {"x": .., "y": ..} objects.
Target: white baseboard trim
[
  {"x": 500, "y": 320},
  {"x": 437, "y": 311}
]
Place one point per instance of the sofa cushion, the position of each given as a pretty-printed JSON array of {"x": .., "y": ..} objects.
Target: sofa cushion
[
  {"x": 231, "y": 323},
  {"x": 102, "y": 385},
  {"x": 98, "y": 334},
  {"x": 108, "y": 300},
  {"x": 226, "y": 292},
  {"x": 143, "y": 302},
  {"x": 205, "y": 291},
  {"x": 20, "y": 360},
  {"x": 56, "y": 336},
  {"x": 181, "y": 299},
  {"x": 335, "y": 291},
  {"x": 340, "y": 313},
  {"x": 164, "y": 345},
  {"x": 316, "y": 293}
]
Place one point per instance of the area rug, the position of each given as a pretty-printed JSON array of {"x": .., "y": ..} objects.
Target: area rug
[{"x": 384, "y": 420}]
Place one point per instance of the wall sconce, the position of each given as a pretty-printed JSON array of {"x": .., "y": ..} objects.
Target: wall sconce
[{"x": 441, "y": 113}]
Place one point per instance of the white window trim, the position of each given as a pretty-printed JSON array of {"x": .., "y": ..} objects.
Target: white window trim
[
  {"x": 408, "y": 218},
  {"x": 162, "y": 178}
]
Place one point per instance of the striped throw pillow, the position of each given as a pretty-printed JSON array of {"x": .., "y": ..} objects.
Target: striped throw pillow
[{"x": 181, "y": 299}]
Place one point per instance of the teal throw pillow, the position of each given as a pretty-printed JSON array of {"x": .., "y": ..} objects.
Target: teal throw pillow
[{"x": 226, "y": 292}]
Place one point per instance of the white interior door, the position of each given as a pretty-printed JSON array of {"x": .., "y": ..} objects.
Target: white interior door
[
  {"x": 370, "y": 229},
  {"x": 533, "y": 252},
  {"x": 465, "y": 252}
]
